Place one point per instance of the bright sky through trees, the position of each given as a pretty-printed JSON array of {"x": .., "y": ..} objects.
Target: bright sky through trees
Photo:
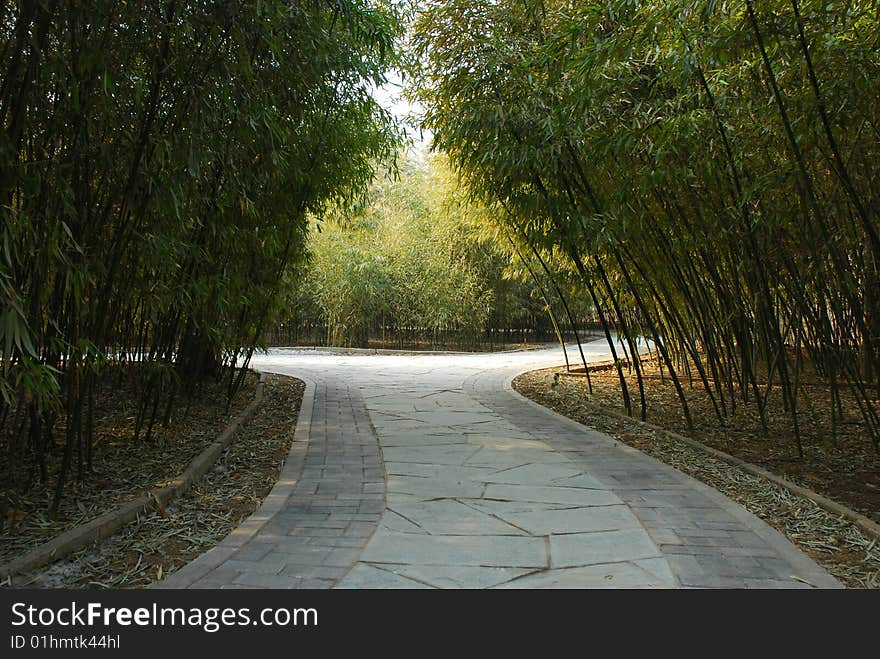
[{"x": 391, "y": 97}]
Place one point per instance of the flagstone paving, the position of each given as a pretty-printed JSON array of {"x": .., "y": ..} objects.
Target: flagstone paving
[{"x": 428, "y": 471}]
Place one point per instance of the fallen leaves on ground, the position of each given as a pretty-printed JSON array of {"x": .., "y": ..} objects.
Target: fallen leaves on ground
[
  {"x": 124, "y": 469},
  {"x": 834, "y": 542},
  {"x": 154, "y": 546}
]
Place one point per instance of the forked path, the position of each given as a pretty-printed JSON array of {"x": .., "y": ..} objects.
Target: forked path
[{"x": 429, "y": 471}]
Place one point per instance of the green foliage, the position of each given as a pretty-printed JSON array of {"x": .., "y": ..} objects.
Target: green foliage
[
  {"x": 407, "y": 266},
  {"x": 709, "y": 170},
  {"x": 157, "y": 167}
]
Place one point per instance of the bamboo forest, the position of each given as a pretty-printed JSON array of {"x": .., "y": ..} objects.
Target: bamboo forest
[{"x": 694, "y": 185}]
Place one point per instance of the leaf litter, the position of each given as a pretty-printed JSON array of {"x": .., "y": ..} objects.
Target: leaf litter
[
  {"x": 832, "y": 541},
  {"x": 154, "y": 546}
]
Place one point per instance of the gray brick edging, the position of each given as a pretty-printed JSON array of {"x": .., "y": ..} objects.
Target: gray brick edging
[
  {"x": 271, "y": 504},
  {"x": 812, "y": 572}
]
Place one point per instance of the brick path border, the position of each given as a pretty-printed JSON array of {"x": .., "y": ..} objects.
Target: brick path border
[
  {"x": 811, "y": 571},
  {"x": 271, "y": 504},
  {"x": 108, "y": 523},
  {"x": 312, "y": 527}
]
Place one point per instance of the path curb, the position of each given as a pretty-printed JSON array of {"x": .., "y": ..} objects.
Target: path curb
[
  {"x": 864, "y": 523},
  {"x": 330, "y": 350},
  {"x": 271, "y": 504},
  {"x": 816, "y": 575},
  {"x": 108, "y": 523}
]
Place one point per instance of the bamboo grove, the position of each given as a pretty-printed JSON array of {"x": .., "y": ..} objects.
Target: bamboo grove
[
  {"x": 414, "y": 267},
  {"x": 708, "y": 169},
  {"x": 158, "y": 165}
]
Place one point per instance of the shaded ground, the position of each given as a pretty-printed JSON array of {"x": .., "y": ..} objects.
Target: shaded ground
[
  {"x": 123, "y": 468},
  {"x": 416, "y": 345},
  {"x": 156, "y": 545},
  {"x": 845, "y": 471}
]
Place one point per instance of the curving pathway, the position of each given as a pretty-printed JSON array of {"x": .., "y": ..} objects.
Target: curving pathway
[{"x": 428, "y": 471}]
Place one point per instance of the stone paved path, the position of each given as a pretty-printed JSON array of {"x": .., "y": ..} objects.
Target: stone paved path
[{"x": 430, "y": 472}]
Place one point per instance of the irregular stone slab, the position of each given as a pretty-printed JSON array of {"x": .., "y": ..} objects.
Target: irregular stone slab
[
  {"x": 444, "y": 398},
  {"x": 441, "y": 455},
  {"x": 415, "y": 438},
  {"x": 501, "y": 509},
  {"x": 490, "y": 551},
  {"x": 537, "y": 474},
  {"x": 394, "y": 522},
  {"x": 461, "y": 576},
  {"x": 613, "y": 575},
  {"x": 448, "y": 517},
  {"x": 458, "y": 417},
  {"x": 475, "y": 474},
  {"x": 433, "y": 488},
  {"x": 514, "y": 457},
  {"x": 384, "y": 409},
  {"x": 397, "y": 426},
  {"x": 659, "y": 567},
  {"x": 397, "y": 499},
  {"x": 574, "y": 520},
  {"x": 582, "y": 481},
  {"x": 506, "y": 444},
  {"x": 565, "y": 495},
  {"x": 601, "y": 547},
  {"x": 364, "y": 575}
]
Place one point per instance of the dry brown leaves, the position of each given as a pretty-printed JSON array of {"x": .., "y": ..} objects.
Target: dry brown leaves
[
  {"x": 123, "y": 468},
  {"x": 155, "y": 546},
  {"x": 833, "y": 542}
]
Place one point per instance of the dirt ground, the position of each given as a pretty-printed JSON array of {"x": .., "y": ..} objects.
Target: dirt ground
[
  {"x": 157, "y": 544},
  {"x": 844, "y": 465}
]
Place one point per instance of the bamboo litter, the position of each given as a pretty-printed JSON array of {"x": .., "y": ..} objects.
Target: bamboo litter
[
  {"x": 832, "y": 541},
  {"x": 155, "y": 546},
  {"x": 124, "y": 469}
]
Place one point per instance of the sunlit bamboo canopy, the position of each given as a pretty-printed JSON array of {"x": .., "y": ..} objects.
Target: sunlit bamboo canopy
[{"x": 709, "y": 169}]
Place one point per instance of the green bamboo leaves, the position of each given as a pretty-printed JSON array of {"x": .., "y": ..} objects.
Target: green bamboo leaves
[
  {"x": 157, "y": 167},
  {"x": 708, "y": 169},
  {"x": 407, "y": 268}
]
